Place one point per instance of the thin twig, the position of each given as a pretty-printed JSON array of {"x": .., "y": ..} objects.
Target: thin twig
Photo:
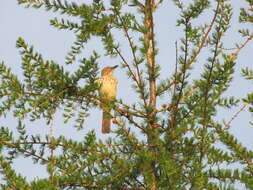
[
  {"x": 139, "y": 79},
  {"x": 227, "y": 125},
  {"x": 206, "y": 34},
  {"x": 13, "y": 145},
  {"x": 235, "y": 54}
]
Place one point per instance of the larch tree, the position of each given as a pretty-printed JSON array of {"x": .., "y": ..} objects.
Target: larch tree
[{"x": 160, "y": 143}]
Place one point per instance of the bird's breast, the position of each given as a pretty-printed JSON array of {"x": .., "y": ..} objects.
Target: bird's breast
[{"x": 108, "y": 88}]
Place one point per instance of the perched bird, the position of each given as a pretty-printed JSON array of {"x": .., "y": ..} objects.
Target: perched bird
[{"x": 107, "y": 92}]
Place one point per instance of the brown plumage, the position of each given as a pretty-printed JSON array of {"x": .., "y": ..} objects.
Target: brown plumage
[{"x": 107, "y": 91}]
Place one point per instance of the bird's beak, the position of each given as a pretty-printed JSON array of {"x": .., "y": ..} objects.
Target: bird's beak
[{"x": 114, "y": 67}]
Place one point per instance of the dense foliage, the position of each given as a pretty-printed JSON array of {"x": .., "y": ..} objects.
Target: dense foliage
[{"x": 165, "y": 144}]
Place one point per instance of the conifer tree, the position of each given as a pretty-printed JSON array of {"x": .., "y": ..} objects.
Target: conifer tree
[{"x": 160, "y": 144}]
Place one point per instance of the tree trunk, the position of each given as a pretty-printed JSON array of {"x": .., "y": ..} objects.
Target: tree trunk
[{"x": 150, "y": 56}]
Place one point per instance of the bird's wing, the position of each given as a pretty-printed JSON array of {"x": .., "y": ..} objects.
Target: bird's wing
[{"x": 98, "y": 81}]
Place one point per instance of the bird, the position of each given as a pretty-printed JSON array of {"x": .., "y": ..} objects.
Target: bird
[{"x": 107, "y": 93}]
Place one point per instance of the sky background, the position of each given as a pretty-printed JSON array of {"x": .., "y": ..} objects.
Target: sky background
[{"x": 33, "y": 25}]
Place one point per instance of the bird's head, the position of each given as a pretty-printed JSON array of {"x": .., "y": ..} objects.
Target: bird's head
[{"x": 108, "y": 71}]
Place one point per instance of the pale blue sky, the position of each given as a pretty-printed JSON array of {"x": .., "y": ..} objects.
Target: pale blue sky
[{"x": 33, "y": 26}]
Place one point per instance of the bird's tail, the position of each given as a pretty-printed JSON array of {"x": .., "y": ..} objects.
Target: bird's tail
[{"x": 106, "y": 122}]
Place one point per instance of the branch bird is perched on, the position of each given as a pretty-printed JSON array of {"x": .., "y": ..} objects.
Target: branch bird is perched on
[{"x": 107, "y": 92}]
